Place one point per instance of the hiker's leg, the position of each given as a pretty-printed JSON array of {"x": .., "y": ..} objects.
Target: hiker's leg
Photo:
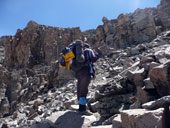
[
  {"x": 83, "y": 90},
  {"x": 84, "y": 83}
]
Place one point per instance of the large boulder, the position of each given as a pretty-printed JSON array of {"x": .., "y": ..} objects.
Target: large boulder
[
  {"x": 159, "y": 103},
  {"x": 71, "y": 119},
  {"x": 141, "y": 118},
  {"x": 161, "y": 81}
]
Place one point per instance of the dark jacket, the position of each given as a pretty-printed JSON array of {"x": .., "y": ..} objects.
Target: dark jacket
[
  {"x": 93, "y": 56},
  {"x": 90, "y": 58}
]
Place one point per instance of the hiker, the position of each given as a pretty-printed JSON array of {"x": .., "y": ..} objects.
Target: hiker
[
  {"x": 84, "y": 76},
  {"x": 79, "y": 57}
]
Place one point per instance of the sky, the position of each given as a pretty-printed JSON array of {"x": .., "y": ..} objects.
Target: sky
[{"x": 86, "y": 14}]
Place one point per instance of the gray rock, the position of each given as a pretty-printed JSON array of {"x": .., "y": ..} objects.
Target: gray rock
[
  {"x": 45, "y": 124},
  {"x": 148, "y": 84},
  {"x": 70, "y": 119},
  {"x": 138, "y": 77},
  {"x": 94, "y": 106},
  {"x": 142, "y": 95},
  {"x": 103, "y": 126},
  {"x": 136, "y": 105},
  {"x": 161, "y": 81},
  {"x": 70, "y": 102},
  {"x": 117, "y": 122},
  {"x": 162, "y": 102}
]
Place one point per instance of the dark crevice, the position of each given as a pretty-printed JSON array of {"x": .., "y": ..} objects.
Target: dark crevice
[{"x": 166, "y": 116}]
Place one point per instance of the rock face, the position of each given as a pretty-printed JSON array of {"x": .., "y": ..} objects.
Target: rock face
[
  {"x": 35, "y": 92},
  {"x": 163, "y": 12},
  {"x": 37, "y": 44},
  {"x": 129, "y": 29},
  {"x": 90, "y": 36}
]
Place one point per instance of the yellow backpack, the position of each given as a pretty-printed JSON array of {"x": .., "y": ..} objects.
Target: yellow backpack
[
  {"x": 66, "y": 58},
  {"x": 73, "y": 56}
]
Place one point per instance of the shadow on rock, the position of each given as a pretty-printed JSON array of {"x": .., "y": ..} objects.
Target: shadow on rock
[
  {"x": 70, "y": 119},
  {"x": 44, "y": 124}
]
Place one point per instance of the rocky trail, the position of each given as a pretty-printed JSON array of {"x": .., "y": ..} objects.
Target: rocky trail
[{"x": 131, "y": 88}]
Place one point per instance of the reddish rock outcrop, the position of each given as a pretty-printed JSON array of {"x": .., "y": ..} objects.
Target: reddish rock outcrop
[{"x": 37, "y": 44}]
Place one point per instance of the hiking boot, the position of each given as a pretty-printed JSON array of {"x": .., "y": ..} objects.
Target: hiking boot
[{"x": 86, "y": 113}]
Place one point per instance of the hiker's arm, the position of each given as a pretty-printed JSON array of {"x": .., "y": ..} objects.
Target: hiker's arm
[{"x": 95, "y": 56}]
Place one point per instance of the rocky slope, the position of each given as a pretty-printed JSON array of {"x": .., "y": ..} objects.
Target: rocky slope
[
  {"x": 130, "y": 29},
  {"x": 125, "y": 92},
  {"x": 131, "y": 88}
]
